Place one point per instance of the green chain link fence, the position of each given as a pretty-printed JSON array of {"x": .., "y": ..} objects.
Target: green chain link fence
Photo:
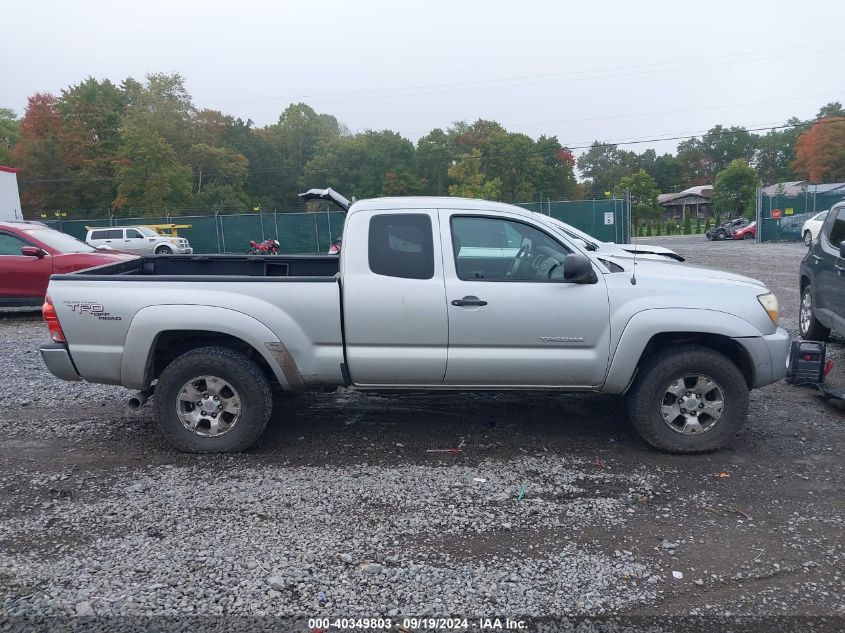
[
  {"x": 794, "y": 211},
  {"x": 607, "y": 220},
  {"x": 298, "y": 233}
]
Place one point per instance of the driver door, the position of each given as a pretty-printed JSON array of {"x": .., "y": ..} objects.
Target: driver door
[
  {"x": 512, "y": 320},
  {"x": 134, "y": 241}
]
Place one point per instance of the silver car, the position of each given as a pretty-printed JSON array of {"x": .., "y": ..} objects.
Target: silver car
[{"x": 137, "y": 239}]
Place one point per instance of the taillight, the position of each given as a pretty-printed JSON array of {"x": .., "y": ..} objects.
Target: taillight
[{"x": 52, "y": 320}]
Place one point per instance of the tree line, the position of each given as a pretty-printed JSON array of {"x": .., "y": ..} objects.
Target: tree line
[{"x": 145, "y": 148}]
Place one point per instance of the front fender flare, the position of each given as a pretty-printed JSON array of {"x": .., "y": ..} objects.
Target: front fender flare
[{"x": 644, "y": 325}]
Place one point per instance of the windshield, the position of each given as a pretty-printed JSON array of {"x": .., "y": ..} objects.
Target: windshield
[
  {"x": 572, "y": 232},
  {"x": 147, "y": 231},
  {"x": 62, "y": 242}
]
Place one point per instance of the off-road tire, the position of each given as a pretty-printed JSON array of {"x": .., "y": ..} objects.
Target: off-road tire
[
  {"x": 164, "y": 250},
  {"x": 815, "y": 331},
  {"x": 236, "y": 369},
  {"x": 658, "y": 370}
]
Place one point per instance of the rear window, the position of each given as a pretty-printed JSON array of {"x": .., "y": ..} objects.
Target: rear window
[
  {"x": 99, "y": 235},
  {"x": 401, "y": 245}
]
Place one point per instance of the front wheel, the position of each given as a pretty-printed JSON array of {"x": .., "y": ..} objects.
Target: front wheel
[
  {"x": 688, "y": 399},
  {"x": 808, "y": 324},
  {"x": 164, "y": 250},
  {"x": 808, "y": 239},
  {"x": 721, "y": 235},
  {"x": 748, "y": 236},
  {"x": 213, "y": 400}
]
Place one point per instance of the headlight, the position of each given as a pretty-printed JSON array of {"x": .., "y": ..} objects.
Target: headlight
[{"x": 770, "y": 304}]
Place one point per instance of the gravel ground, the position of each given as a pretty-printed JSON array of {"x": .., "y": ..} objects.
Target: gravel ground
[{"x": 553, "y": 506}]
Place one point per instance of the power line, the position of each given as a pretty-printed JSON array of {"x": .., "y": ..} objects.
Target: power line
[
  {"x": 531, "y": 80},
  {"x": 779, "y": 53}
]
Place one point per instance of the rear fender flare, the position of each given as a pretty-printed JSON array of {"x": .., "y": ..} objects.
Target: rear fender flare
[{"x": 152, "y": 321}]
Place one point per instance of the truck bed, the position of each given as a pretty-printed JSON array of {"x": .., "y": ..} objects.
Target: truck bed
[
  {"x": 215, "y": 267},
  {"x": 285, "y": 308}
]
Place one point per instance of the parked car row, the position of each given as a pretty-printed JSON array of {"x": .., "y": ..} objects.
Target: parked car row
[{"x": 738, "y": 229}]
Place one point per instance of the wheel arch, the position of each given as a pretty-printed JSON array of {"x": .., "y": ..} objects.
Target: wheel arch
[
  {"x": 158, "y": 334},
  {"x": 725, "y": 345},
  {"x": 170, "y": 344},
  {"x": 650, "y": 331}
]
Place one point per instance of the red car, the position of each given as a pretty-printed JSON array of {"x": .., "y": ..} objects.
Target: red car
[
  {"x": 746, "y": 233},
  {"x": 30, "y": 252}
]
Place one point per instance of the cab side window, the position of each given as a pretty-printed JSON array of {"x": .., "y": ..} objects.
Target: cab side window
[
  {"x": 401, "y": 245},
  {"x": 835, "y": 229},
  {"x": 10, "y": 245},
  {"x": 133, "y": 234},
  {"x": 99, "y": 235},
  {"x": 495, "y": 249},
  {"x": 115, "y": 234}
]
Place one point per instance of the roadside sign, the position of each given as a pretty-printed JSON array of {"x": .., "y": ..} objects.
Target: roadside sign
[
  {"x": 789, "y": 211},
  {"x": 608, "y": 218},
  {"x": 776, "y": 214}
]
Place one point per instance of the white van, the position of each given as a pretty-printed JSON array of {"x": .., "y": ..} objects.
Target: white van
[{"x": 137, "y": 239}]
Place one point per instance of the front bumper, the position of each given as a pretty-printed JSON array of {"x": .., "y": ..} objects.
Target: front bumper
[
  {"x": 184, "y": 250},
  {"x": 57, "y": 359},
  {"x": 769, "y": 356}
]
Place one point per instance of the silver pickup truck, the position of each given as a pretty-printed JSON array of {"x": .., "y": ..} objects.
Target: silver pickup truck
[{"x": 427, "y": 294}]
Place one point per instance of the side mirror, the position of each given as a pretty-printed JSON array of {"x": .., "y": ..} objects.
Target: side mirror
[
  {"x": 32, "y": 251},
  {"x": 842, "y": 249},
  {"x": 578, "y": 269}
]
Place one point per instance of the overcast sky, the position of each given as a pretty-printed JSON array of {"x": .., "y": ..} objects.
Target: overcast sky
[{"x": 612, "y": 71}]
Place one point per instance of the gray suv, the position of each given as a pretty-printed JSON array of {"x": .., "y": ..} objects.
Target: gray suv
[{"x": 822, "y": 280}]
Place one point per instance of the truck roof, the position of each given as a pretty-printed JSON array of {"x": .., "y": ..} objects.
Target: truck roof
[{"x": 436, "y": 202}]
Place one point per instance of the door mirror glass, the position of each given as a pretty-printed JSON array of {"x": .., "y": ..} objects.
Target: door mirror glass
[
  {"x": 32, "y": 251},
  {"x": 578, "y": 269},
  {"x": 842, "y": 249}
]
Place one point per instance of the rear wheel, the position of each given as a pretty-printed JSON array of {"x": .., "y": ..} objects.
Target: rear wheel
[
  {"x": 748, "y": 236},
  {"x": 213, "y": 400},
  {"x": 164, "y": 250},
  {"x": 808, "y": 239},
  {"x": 688, "y": 399},
  {"x": 808, "y": 324},
  {"x": 721, "y": 235}
]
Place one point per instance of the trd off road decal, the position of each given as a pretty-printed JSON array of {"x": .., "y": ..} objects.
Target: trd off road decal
[{"x": 92, "y": 309}]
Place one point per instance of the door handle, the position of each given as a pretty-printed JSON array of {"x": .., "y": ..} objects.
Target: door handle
[
  {"x": 839, "y": 269},
  {"x": 469, "y": 301}
]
